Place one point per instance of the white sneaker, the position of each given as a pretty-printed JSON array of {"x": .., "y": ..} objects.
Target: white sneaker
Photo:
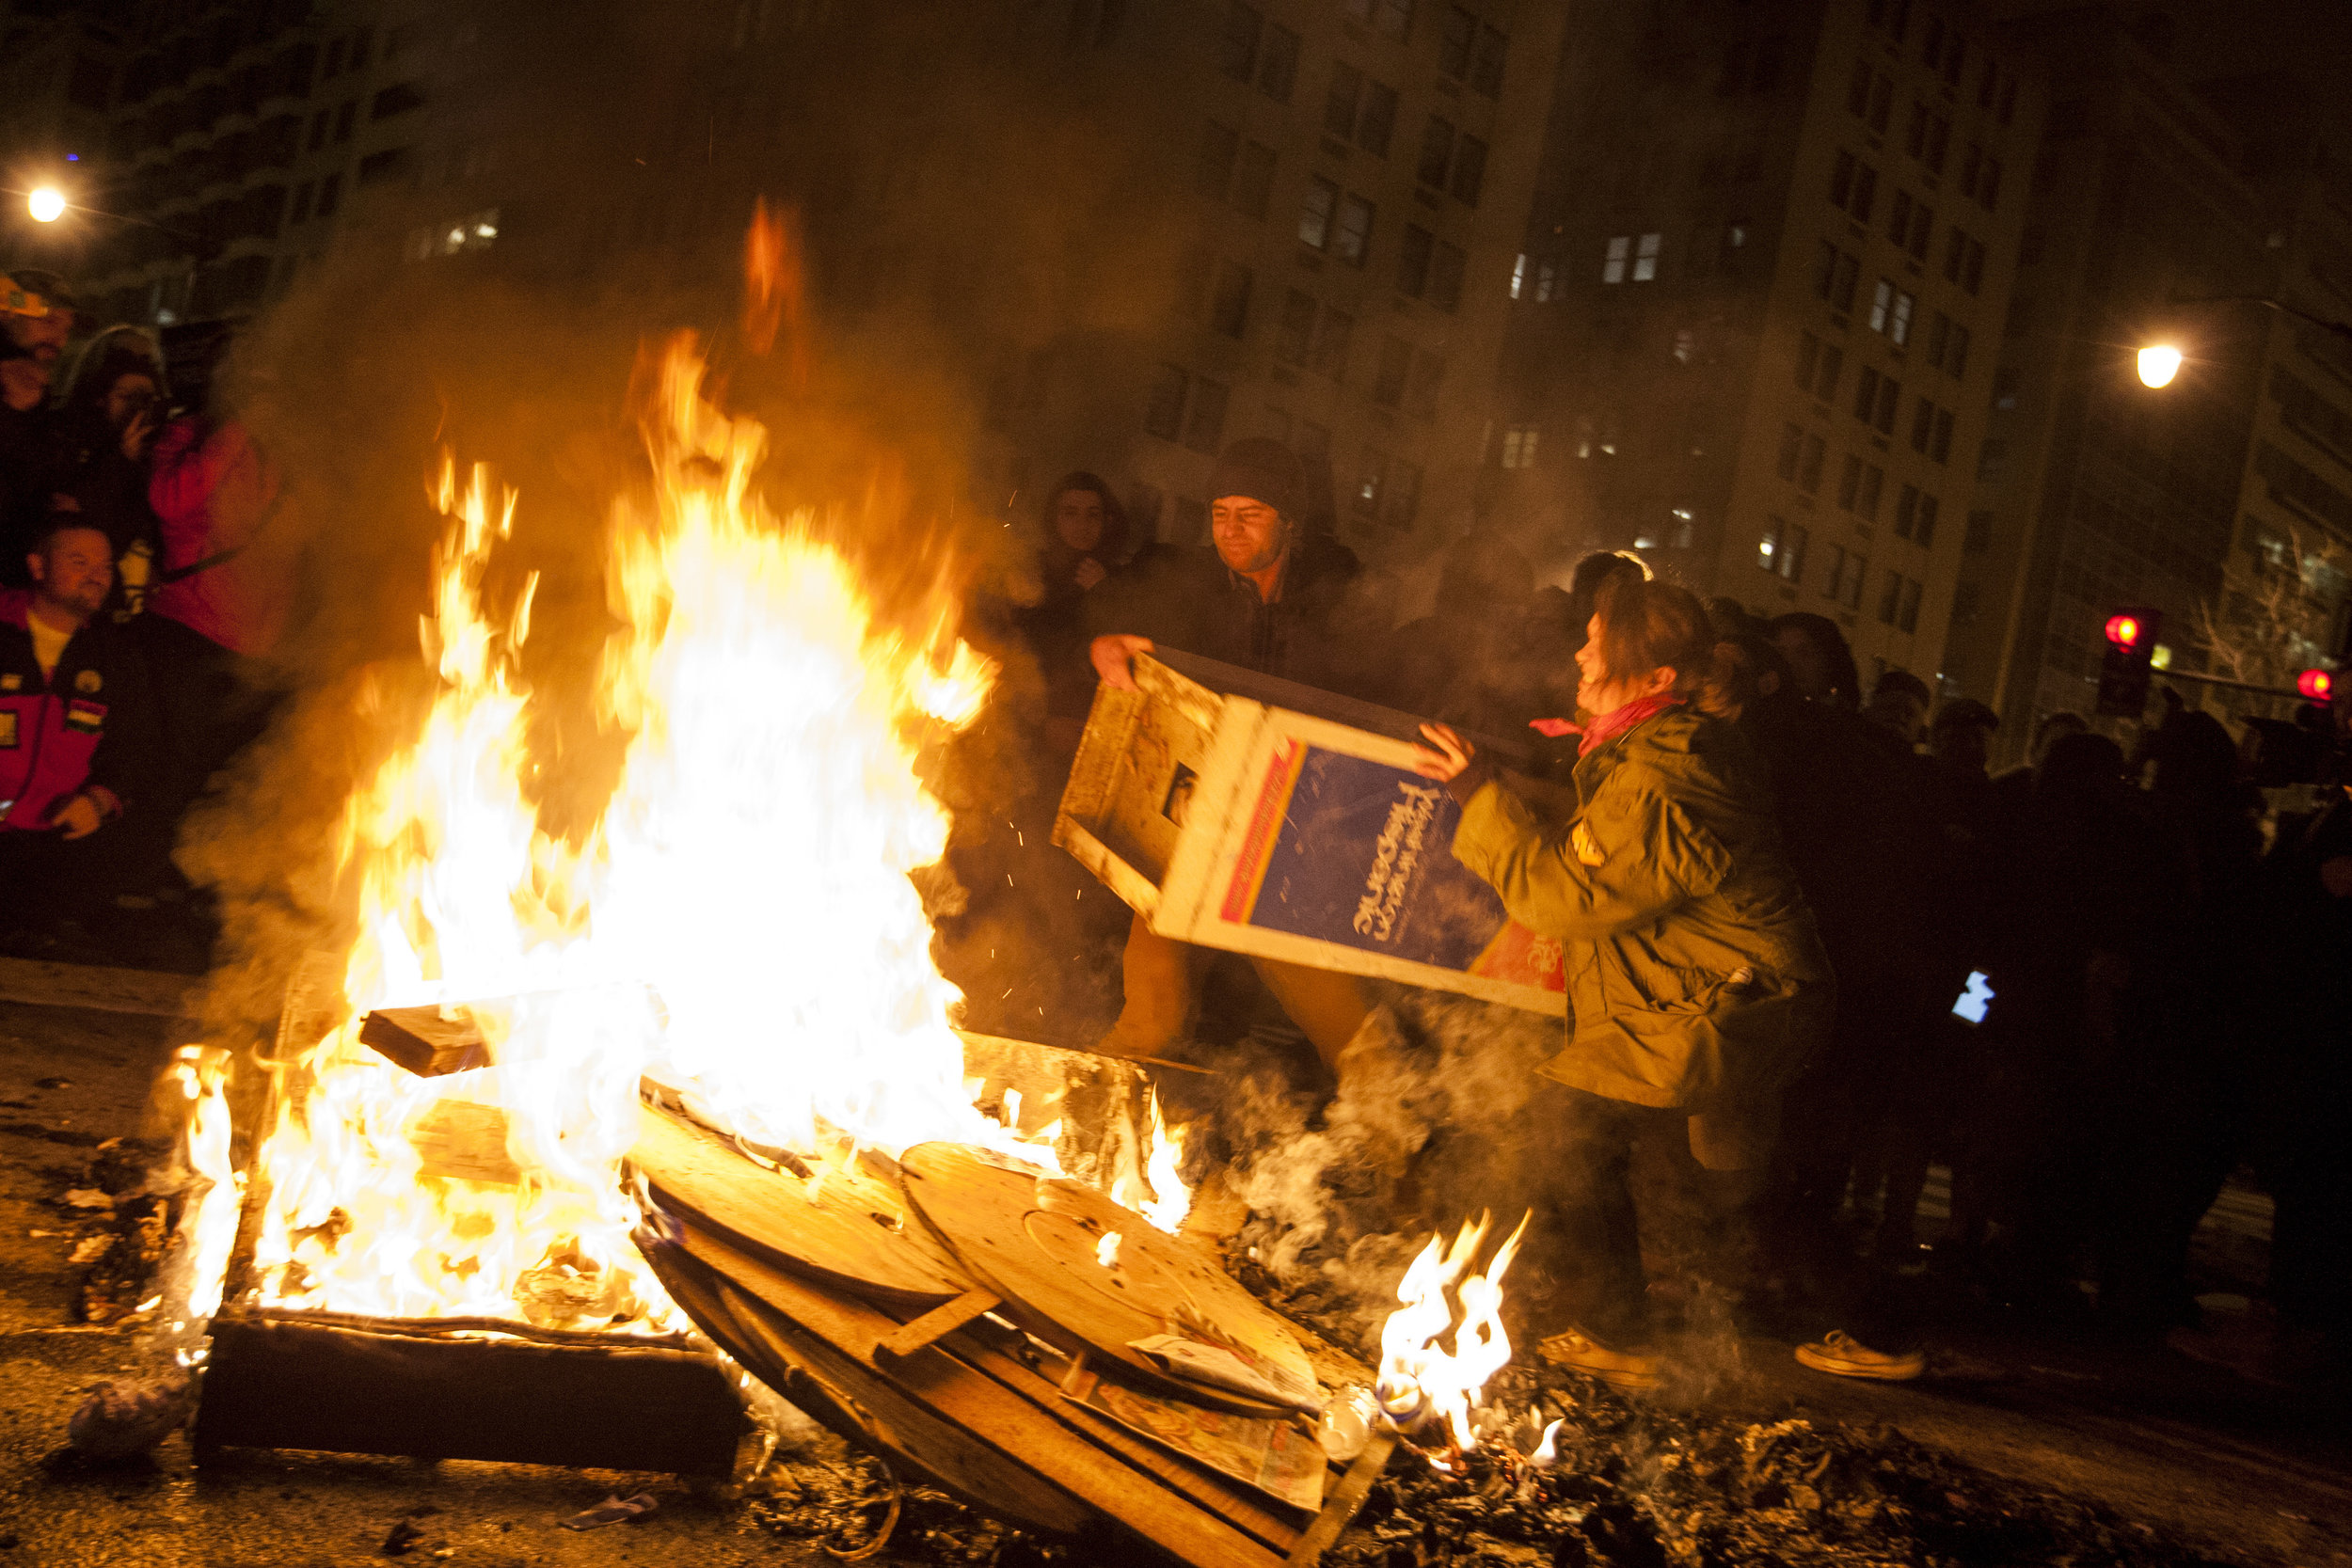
[{"x": 1840, "y": 1354}]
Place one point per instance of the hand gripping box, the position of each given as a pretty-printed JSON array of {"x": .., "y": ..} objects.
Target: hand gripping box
[{"x": 1237, "y": 811}]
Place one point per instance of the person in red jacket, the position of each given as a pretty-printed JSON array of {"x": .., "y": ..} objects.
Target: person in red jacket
[
  {"x": 77, "y": 728},
  {"x": 223, "y": 587}
]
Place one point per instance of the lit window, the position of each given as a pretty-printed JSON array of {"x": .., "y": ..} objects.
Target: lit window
[
  {"x": 1899, "y": 321},
  {"x": 1646, "y": 257},
  {"x": 1519, "y": 274},
  {"x": 1613, "y": 267},
  {"x": 1519, "y": 446},
  {"x": 1880, "y": 299},
  {"x": 1686, "y": 343},
  {"x": 1544, "y": 283}
]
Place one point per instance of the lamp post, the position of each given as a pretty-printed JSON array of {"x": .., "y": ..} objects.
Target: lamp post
[{"x": 2161, "y": 361}]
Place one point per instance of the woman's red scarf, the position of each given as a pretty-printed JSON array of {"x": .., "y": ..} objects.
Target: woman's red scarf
[{"x": 1609, "y": 725}]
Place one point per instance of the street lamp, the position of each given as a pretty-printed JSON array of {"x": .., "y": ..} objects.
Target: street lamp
[
  {"x": 46, "y": 203},
  {"x": 2158, "y": 364}
]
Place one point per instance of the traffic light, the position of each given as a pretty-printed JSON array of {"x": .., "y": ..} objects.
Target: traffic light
[
  {"x": 2318, "y": 684},
  {"x": 2123, "y": 674}
]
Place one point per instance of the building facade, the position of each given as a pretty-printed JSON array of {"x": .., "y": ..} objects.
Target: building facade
[{"x": 1765, "y": 275}]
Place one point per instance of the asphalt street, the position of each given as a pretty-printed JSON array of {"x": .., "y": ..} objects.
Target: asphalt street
[{"x": 2252, "y": 1474}]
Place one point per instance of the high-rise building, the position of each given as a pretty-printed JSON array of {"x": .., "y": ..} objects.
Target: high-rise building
[
  {"x": 1764, "y": 282},
  {"x": 1130, "y": 233},
  {"x": 2096, "y": 492}
]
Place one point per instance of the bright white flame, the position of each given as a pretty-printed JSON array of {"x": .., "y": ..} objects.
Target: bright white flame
[
  {"x": 1107, "y": 1250},
  {"x": 46, "y": 203},
  {"x": 2158, "y": 364},
  {"x": 1420, "y": 1380},
  {"x": 739, "y": 923},
  {"x": 1548, "y": 1451},
  {"x": 208, "y": 1222}
]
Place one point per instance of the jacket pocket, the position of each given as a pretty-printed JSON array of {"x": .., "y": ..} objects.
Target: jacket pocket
[{"x": 1634, "y": 975}]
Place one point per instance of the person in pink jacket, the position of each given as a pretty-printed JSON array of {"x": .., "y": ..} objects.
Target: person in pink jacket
[{"x": 224, "y": 586}]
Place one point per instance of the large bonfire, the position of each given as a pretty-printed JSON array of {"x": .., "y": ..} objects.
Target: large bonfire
[{"x": 740, "y": 926}]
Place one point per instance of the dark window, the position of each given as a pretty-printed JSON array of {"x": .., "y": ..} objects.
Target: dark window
[
  {"x": 1315, "y": 213},
  {"x": 1809, "y": 471},
  {"x": 1791, "y": 450},
  {"x": 335, "y": 54},
  {"x": 1833, "y": 360},
  {"x": 1891, "y": 598},
  {"x": 1218, "y": 146},
  {"x": 360, "y": 39},
  {"x": 397, "y": 98},
  {"x": 1332, "y": 334},
  {"x": 1396, "y": 368},
  {"x": 1469, "y": 169},
  {"x": 1437, "y": 152},
  {"x": 394, "y": 163},
  {"x": 1972, "y": 270},
  {"x": 1922, "y": 425},
  {"x": 1769, "y": 53},
  {"x": 1351, "y": 234},
  {"x": 1940, "y": 445},
  {"x": 1278, "y": 63},
  {"x": 1297, "y": 328},
  {"x": 303, "y": 193},
  {"x": 1908, "y": 619},
  {"x": 1253, "y": 181},
  {"x": 330, "y": 192},
  {"x": 1340, "y": 101},
  {"x": 342, "y": 120},
  {"x": 1808, "y": 360},
  {"x": 1445, "y": 276},
  {"x": 1458, "y": 37},
  {"x": 1229, "y": 309},
  {"x": 1375, "y": 123},
  {"x": 1204, "y": 421},
  {"x": 1486, "y": 74},
  {"x": 1979, "y": 537},
  {"x": 318, "y": 131},
  {"x": 1412, "y": 261},
  {"x": 1237, "y": 42}
]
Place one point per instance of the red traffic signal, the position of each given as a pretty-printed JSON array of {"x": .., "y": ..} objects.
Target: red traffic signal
[
  {"x": 2125, "y": 630},
  {"x": 2318, "y": 684}
]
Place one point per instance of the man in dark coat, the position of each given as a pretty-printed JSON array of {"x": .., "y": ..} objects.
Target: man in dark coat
[
  {"x": 1271, "y": 598},
  {"x": 1268, "y": 596},
  {"x": 35, "y": 319}
]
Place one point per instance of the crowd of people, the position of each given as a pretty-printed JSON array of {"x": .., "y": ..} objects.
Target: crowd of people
[
  {"x": 137, "y": 597},
  {"x": 1816, "y": 947}
]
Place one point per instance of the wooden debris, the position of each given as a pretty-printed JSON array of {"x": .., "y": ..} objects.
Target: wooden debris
[
  {"x": 843, "y": 1227},
  {"x": 287, "y": 1380},
  {"x": 1042, "y": 1244},
  {"x": 425, "y": 1042}
]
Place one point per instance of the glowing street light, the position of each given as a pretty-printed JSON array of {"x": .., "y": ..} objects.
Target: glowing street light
[
  {"x": 2158, "y": 364},
  {"x": 46, "y": 203}
]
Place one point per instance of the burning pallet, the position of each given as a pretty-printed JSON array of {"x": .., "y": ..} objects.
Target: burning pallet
[{"x": 966, "y": 1317}]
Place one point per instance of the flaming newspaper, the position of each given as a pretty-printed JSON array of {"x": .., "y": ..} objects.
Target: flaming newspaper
[
  {"x": 1245, "y": 813},
  {"x": 1279, "y": 1458}
]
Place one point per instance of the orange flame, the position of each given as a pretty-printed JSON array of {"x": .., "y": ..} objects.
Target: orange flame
[
  {"x": 1422, "y": 1382},
  {"x": 775, "y": 289},
  {"x": 740, "y": 924}
]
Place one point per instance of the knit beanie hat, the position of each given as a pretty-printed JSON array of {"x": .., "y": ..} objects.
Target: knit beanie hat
[{"x": 1264, "y": 469}]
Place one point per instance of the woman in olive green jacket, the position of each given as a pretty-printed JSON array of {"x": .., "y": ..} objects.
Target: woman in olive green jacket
[{"x": 1696, "y": 981}]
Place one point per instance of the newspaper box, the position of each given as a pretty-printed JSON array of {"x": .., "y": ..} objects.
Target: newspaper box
[{"x": 1241, "y": 811}]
